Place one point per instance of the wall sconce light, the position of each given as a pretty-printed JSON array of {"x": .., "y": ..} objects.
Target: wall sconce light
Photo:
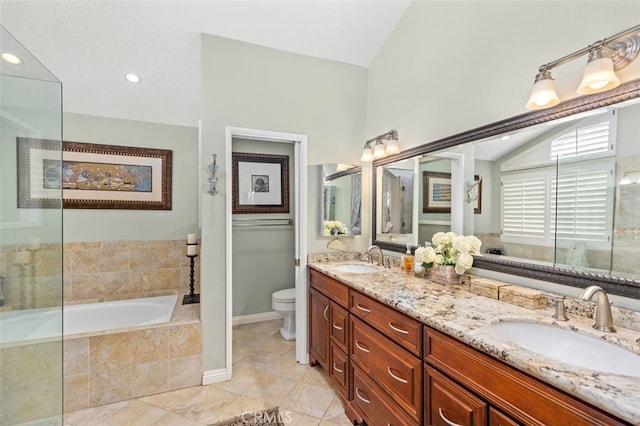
[
  {"x": 383, "y": 145},
  {"x": 605, "y": 57}
]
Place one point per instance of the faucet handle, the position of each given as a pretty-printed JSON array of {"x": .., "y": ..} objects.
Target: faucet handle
[{"x": 561, "y": 314}]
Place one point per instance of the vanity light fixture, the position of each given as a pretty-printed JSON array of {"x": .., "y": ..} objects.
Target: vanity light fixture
[
  {"x": 383, "y": 145},
  {"x": 604, "y": 58},
  {"x": 11, "y": 58}
]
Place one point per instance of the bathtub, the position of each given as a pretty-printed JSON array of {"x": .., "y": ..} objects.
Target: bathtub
[{"x": 84, "y": 318}]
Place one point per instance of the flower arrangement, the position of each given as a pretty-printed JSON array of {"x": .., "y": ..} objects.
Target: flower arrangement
[
  {"x": 334, "y": 227},
  {"x": 449, "y": 248}
]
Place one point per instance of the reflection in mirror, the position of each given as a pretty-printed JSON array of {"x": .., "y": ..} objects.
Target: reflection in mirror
[
  {"x": 396, "y": 211},
  {"x": 341, "y": 200},
  {"x": 560, "y": 192}
]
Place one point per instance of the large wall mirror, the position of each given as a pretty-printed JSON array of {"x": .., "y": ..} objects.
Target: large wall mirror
[
  {"x": 341, "y": 200},
  {"x": 553, "y": 194}
]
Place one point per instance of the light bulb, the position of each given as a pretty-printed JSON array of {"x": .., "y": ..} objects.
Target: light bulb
[
  {"x": 367, "y": 154},
  {"x": 392, "y": 146},
  {"x": 378, "y": 151},
  {"x": 598, "y": 73},
  {"x": 543, "y": 93}
]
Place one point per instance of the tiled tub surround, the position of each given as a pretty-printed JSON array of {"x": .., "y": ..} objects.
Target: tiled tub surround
[
  {"x": 116, "y": 365},
  {"x": 99, "y": 271},
  {"x": 466, "y": 316}
]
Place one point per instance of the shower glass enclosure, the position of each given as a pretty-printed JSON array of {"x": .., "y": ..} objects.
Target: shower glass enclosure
[{"x": 30, "y": 238}]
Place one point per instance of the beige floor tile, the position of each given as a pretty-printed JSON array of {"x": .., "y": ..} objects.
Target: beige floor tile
[
  {"x": 136, "y": 413},
  {"x": 335, "y": 414},
  {"x": 309, "y": 399},
  {"x": 270, "y": 388},
  {"x": 296, "y": 418},
  {"x": 237, "y": 408},
  {"x": 94, "y": 416},
  {"x": 317, "y": 376},
  {"x": 243, "y": 376},
  {"x": 195, "y": 403},
  {"x": 172, "y": 419}
]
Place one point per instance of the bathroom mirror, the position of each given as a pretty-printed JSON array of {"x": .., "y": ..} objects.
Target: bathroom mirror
[
  {"x": 513, "y": 154},
  {"x": 341, "y": 200}
]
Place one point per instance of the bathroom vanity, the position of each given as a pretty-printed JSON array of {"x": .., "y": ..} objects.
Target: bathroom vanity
[{"x": 405, "y": 351}]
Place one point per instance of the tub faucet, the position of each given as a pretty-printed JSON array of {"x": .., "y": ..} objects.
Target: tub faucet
[
  {"x": 604, "y": 319},
  {"x": 380, "y": 255}
]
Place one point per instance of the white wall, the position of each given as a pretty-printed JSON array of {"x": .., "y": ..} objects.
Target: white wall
[
  {"x": 82, "y": 225},
  {"x": 245, "y": 85}
]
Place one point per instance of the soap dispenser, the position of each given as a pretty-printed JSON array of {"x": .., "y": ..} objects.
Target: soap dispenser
[{"x": 407, "y": 260}]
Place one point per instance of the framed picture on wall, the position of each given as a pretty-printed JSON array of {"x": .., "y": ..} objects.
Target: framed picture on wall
[
  {"x": 436, "y": 193},
  {"x": 260, "y": 183},
  {"x": 93, "y": 176}
]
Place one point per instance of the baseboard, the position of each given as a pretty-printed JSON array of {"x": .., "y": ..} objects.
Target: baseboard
[
  {"x": 248, "y": 319},
  {"x": 214, "y": 376}
]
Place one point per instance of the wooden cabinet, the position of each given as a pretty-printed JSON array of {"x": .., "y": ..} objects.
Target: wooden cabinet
[
  {"x": 514, "y": 396},
  {"x": 449, "y": 404},
  {"x": 318, "y": 328}
]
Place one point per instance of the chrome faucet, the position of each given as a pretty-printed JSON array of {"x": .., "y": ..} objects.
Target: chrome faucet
[
  {"x": 604, "y": 319},
  {"x": 380, "y": 255}
]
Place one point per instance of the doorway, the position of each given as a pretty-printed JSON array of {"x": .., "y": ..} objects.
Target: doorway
[{"x": 298, "y": 183}]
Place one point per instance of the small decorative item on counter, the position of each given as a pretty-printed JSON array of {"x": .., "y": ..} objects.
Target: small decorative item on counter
[
  {"x": 449, "y": 257},
  {"x": 334, "y": 227}
]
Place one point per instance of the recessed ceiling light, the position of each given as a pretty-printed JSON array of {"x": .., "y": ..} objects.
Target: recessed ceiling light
[
  {"x": 11, "y": 58},
  {"x": 132, "y": 78}
]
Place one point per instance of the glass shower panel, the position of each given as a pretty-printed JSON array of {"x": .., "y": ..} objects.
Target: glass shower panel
[{"x": 30, "y": 239}]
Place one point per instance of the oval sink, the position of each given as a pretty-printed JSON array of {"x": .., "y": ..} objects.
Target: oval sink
[
  {"x": 569, "y": 347},
  {"x": 355, "y": 268}
]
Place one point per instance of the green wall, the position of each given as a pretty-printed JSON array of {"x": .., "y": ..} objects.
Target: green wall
[{"x": 82, "y": 225}]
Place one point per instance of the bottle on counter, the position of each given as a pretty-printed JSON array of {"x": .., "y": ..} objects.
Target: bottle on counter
[{"x": 407, "y": 260}]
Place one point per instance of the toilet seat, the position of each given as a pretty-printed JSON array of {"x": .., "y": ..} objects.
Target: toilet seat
[{"x": 285, "y": 296}]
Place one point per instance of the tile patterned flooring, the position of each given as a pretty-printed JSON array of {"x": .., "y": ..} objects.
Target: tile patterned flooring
[{"x": 265, "y": 374}]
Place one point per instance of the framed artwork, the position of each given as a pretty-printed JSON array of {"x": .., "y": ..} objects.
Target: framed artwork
[
  {"x": 93, "y": 176},
  {"x": 436, "y": 193},
  {"x": 260, "y": 183}
]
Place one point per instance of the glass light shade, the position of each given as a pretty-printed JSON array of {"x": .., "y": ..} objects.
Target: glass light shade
[
  {"x": 392, "y": 146},
  {"x": 367, "y": 154},
  {"x": 598, "y": 76},
  {"x": 543, "y": 95},
  {"x": 378, "y": 151}
]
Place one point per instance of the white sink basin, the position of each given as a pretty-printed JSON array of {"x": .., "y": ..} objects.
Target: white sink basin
[
  {"x": 569, "y": 347},
  {"x": 355, "y": 268}
]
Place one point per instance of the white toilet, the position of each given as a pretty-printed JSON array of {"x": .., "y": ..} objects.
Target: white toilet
[{"x": 284, "y": 302}]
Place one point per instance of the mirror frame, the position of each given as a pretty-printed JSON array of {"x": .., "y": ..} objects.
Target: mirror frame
[
  {"x": 611, "y": 284},
  {"x": 350, "y": 171}
]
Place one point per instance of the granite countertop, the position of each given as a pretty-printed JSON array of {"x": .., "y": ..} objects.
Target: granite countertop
[{"x": 466, "y": 316}]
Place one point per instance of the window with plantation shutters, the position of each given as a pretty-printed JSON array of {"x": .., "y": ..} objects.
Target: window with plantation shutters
[
  {"x": 570, "y": 201},
  {"x": 525, "y": 208},
  {"x": 583, "y": 203}
]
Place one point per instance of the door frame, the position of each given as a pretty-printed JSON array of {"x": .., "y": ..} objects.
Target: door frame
[{"x": 300, "y": 224}]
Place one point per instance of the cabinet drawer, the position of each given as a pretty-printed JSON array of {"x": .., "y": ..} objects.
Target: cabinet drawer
[
  {"x": 339, "y": 369},
  {"x": 374, "y": 404},
  {"x": 447, "y": 403},
  {"x": 403, "y": 330},
  {"x": 339, "y": 326},
  {"x": 396, "y": 370},
  {"x": 496, "y": 418},
  {"x": 335, "y": 290},
  {"x": 513, "y": 392}
]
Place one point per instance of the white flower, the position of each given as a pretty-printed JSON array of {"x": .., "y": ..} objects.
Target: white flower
[
  {"x": 475, "y": 244},
  {"x": 344, "y": 230},
  {"x": 425, "y": 255},
  {"x": 464, "y": 262},
  {"x": 461, "y": 244}
]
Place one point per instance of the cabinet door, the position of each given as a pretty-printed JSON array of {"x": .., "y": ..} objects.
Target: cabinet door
[
  {"x": 318, "y": 328},
  {"x": 448, "y": 404}
]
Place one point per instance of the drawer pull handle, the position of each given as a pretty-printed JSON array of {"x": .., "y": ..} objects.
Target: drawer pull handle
[
  {"x": 335, "y": 367},
  {"x": 336, "y": 326},
  {"x": 362, "y": 308},
  {"x": 400, "y": 379},
  {"x": 361, "y": 347},
  {"x": 399, "y": 330},
  {"x": 325, "y": 313},
  {"x": 361, "y": 397},
  {"x": 447, "y": 421}
]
